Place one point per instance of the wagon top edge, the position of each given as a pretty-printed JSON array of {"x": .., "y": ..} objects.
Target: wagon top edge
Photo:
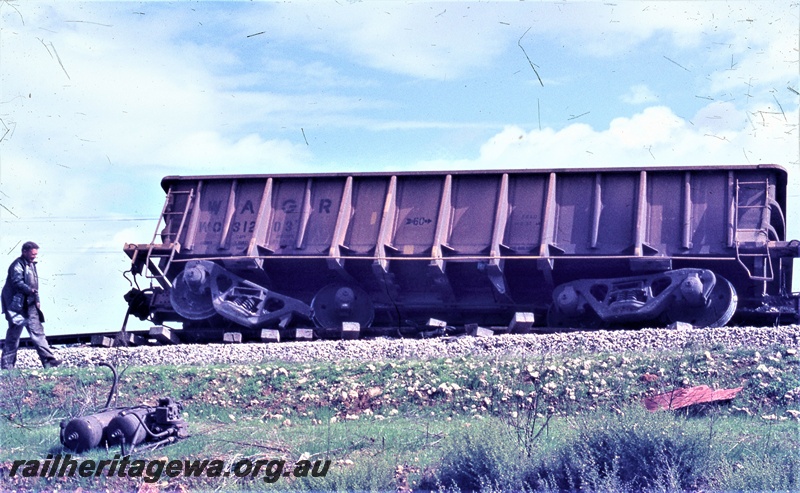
[{"x": 377, "y": 174}]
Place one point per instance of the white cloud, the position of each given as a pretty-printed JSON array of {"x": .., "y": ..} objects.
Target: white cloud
[
  {"x": 655, "y": 136},
  {"x": 608, "y": 29},
  {"x": 209, "y": 152},
  {"x": 719, "y": 117},
  {"x": 773, "y": 65},
  {"x": 639, "y": 94},
  {"x": 654, "y": 126},
  {"x": 426, "y": 40}
]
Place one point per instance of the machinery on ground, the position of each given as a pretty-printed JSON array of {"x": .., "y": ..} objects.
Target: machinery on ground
[
  {"x": 578, "y": 248},
  {"x": 126, "y": 427}
]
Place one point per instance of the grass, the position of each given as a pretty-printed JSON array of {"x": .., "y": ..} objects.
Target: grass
[{"x": 560, "y": 423}]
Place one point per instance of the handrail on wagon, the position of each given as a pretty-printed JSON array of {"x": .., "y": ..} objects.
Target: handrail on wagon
[
  {"x": 170, "y": 239},
  {"x": 760, "y": 258}
]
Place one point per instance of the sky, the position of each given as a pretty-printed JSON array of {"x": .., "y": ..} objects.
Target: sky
[{"x": 100, "y": 100}]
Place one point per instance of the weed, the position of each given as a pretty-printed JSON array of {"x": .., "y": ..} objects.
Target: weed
[
  {"x": 478, "y": 458},
  {"x": 636, "y": 452}
]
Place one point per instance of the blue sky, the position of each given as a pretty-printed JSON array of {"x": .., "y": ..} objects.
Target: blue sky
[{"x": 99, "y": 100}]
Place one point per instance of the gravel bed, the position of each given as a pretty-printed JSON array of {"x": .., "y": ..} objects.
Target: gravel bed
[{"x": 385, "y": 348}]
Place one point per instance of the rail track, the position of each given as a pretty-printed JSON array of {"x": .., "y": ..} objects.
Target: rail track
[{"x": 165, "y": 335}]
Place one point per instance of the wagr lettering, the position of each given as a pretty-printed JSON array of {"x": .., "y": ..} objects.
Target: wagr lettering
[
  {"x": 289, "y": 206},
  {"x": 214, "y": 206}
]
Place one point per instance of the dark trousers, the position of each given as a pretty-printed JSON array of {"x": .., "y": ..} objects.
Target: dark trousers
[{"x": 16, "y": 322}]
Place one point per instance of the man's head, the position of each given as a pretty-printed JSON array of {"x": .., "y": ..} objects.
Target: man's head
[{"x": 30, "y": 250}]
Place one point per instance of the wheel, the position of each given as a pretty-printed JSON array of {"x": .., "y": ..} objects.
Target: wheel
[
  {"x": 189, "y": 299},
  {"x": 337, "y": 303},
  {"x": 717, "y": 311}
]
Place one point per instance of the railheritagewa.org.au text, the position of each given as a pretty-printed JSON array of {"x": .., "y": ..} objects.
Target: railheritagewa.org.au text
[{"x": 269, "y": 470}]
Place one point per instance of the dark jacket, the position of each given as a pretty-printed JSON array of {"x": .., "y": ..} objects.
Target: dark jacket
[{"x": 21, "y": 288}]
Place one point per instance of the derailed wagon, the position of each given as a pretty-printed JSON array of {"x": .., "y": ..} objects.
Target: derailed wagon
[{"x": 580, "y": 248}]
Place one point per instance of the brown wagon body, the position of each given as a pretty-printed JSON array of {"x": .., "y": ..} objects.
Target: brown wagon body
[{"x": 588, "y": 246}]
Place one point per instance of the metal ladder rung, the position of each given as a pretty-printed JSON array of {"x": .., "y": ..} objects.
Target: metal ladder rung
[
  {"x": 766, "y": 267},
  {"x": 173, "y": 246},
  {"x": 769, "y": 273}
]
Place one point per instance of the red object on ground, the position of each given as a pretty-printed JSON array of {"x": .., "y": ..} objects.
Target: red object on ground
[{"x": 684, "y": 397}]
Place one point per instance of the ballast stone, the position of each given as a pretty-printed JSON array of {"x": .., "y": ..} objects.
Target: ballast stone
[{"x": 441, "y": 347}]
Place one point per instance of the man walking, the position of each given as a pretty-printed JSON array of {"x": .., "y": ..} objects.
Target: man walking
[{"x": 20, "y": 303}]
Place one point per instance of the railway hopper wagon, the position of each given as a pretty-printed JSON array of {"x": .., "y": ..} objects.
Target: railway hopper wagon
[{"x": 578, "y": 248}]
